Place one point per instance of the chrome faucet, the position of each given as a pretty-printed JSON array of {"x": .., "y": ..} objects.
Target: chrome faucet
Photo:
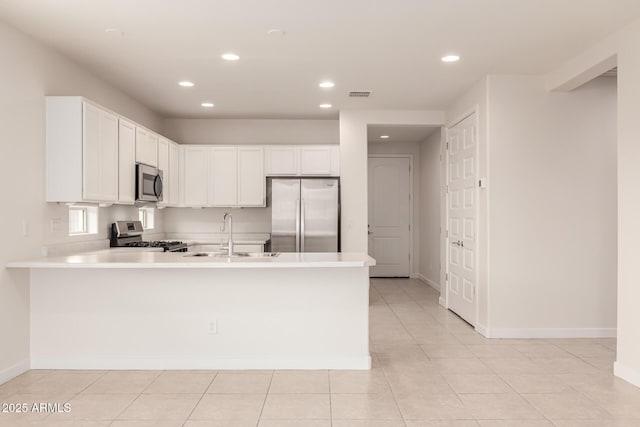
[{"x": 224, "y": 221}]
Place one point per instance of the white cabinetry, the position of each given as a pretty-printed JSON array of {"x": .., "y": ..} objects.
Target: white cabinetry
[
  {"x": 236, "y": 177},
  {"x": 100, "y": 155},
  {"x": 82, "y": 151},
  {"x": 223, "y": 176},
  {"x": 282, "y": 161},
  {"x": 126, "y": 162},
  {"x": 193, "y": 176},
  {"x": 163, "y": 165},
  {"x": 146, "y": 147},
  {"x": 303, "y": 160},
  {"x": 174, "y": 162},
  {"x": 251, "y": 178}
]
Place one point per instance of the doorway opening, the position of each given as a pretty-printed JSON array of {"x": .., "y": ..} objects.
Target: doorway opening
[{"x": 400, "y": 202}]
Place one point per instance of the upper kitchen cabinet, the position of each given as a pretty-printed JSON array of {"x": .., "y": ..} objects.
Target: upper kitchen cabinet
[
  {"x": 146, "y": 147},
  {"x": 163, "y": 165},
  {"x": 236, "y": 177},
  {"x": 303, "y": 160},
  {"x": 251, "y": 177},
  {"x": 193, "y": 176},
  {"x": 82, "y": 151},
  {"x": 282, "y": 161},
  {"x": 174, "y": 162},
  {"x": 223, "y": 176},
  {"x": 126, "y": 162}
]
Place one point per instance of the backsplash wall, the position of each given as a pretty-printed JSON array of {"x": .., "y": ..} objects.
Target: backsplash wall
[{"x": 209, "y": 220}]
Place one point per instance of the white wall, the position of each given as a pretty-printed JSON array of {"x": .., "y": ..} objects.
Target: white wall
[
  {"x": 552, "y": 159},
  {"x": 412, "y": 148},
  {"x": 628, "y": 358},
  {"x": 209, "y": 220},
  {"x": 623, "y": 47},
  {"x": 245, "y": 131},
  {"x": 429, "y": 212},
  {"x": 30, "y": 71}
]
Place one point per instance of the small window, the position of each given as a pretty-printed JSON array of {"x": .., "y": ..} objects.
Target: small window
[
  {"x": 147, "y": 217},
  {"x": 83, "y": 220}
]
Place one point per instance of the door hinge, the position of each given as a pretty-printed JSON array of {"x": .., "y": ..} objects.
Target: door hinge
[
  {"x": 409, "y": 227},
  {"x": 447, "y": 189},
  {"x": 446, "y": 277},
  {"x": 447, "y": 145},
  {"x": 447, "y": 233}
]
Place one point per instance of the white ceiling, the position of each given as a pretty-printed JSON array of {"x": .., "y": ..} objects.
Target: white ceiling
[
  {"x": 389, "y": 47},
  {"x": 399, "y": 134}
]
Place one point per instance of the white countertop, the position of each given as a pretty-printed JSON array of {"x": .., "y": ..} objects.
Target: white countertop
[{"x": 145, "y": 259}]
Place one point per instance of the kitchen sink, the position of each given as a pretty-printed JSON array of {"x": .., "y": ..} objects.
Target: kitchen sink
[{"x": 235, "y": 255}]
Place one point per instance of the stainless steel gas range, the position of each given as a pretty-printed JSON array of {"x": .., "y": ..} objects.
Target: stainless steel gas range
[{"x": 128, "y": 234}]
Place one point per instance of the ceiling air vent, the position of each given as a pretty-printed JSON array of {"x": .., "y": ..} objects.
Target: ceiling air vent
[{"x": 359, "y": 93}]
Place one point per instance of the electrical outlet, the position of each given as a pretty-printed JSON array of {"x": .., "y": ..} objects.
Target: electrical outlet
[{"x": 213, "y": 327}]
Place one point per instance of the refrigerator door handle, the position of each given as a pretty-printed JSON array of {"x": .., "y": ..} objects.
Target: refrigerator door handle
[
  {"x": 298, "y": 225},
  {"x": 302, "y": 214}
]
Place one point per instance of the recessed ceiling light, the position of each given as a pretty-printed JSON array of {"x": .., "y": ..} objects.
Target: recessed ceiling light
[
  {"x": 230, "y": 57},
  {"x": 114, "y": 31},
  {"x": 327, "y": 85},
  {"x": 326, "y": 105},
  {"x": 276, "y": 32},
  {"x": 384, "y": 136},
  {"x": 207, "y": 104},
  {"x": 186, "y": 83},
  {"x": 450, "y": 58}
]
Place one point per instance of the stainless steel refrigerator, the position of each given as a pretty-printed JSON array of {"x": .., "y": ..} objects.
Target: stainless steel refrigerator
[{"x": 305, "y": 214}]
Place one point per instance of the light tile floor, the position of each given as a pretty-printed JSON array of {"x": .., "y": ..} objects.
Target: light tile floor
[{"x": 430, "y": 369}]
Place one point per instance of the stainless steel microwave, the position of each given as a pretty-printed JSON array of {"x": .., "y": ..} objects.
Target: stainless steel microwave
[{"x": 149, "y": 186}]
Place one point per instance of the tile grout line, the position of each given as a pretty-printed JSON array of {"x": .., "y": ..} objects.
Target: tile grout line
[
  {"x": 134, "y": 400},
  {"x": 201, "y": 397},
  {"x": 264, "y": 402}
]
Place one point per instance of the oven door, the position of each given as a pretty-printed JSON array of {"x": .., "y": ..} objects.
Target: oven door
[{"x": 149, "y": 186}]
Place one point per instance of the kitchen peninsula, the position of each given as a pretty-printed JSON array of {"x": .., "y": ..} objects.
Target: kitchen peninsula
[{"x": 161, "y": 310}]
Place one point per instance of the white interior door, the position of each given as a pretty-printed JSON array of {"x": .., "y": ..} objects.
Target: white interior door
[
  {"x": 462, "y": 219},
  {"x": 389, "y": 215}
]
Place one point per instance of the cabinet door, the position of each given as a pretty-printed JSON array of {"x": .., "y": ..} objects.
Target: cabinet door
[
  {"x": 146, "y": 147},
  {"x": 315, "y": 160},
  {"x": 335, "y": 160},
  {"x": 174, "y": 161},
  {"x": 282, "y": 161},
  {"x": 108, "y": 157},
  {"x": 163, "y": 165},
  {"x": 126, "y": 162},
  {"x": 223, "y": 177},
  {"x": 251, "y": 178},
  {"x": 91, "y": 178},
  {"x": 194, "y": 176}
]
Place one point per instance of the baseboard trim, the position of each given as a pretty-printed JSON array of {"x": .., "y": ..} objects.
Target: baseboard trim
[
  {"x": 356, "y": 363},
  {"x": 443, "y": 302},
  {"x": 15, "y": 370},
  {"x": 429, "y": 282},
  {"x": 549, "y": 332},
  {"x": 629, "y": 375},
  {"x": 482, "y": 330}
]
